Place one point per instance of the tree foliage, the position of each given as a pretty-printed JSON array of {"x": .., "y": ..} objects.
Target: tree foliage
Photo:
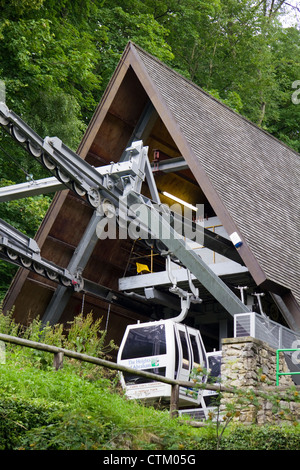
[{"x": 57, "y": 57}]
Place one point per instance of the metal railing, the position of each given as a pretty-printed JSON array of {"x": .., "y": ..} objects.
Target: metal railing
[{"x": 260, "y": 327}]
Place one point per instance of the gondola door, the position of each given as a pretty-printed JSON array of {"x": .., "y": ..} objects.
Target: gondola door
[
  {"x": 184, "y": 363},
  {"x": 191, "y": 353},
  {"x": 184, "y": 353}
]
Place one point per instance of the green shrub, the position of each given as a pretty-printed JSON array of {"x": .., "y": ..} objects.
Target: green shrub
[
  {"x": 7, "y": 323},
  {"x": 70, "y": 431},
  {"x": 83, "y": 335},
  {"x": 261, "y": 438},
  {"x": 18, "y": 416}
]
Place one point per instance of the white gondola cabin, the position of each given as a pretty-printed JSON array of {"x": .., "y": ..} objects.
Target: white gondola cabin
[{"x": 165, "y": 348}]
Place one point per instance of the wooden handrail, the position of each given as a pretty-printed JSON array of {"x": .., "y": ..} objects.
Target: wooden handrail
[{"x": 59, "y": 353}]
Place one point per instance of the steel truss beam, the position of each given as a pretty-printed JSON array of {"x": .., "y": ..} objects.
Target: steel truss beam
[
  {"x": 61, "y": 296},
  {"x": 177, "y": 248}
]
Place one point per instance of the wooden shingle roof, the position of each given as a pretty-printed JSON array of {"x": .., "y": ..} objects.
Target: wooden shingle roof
[{"x": 250, "y": 178}]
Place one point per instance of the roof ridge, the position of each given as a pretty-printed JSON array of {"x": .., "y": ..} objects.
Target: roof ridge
[{"x": 194, "y": 85}]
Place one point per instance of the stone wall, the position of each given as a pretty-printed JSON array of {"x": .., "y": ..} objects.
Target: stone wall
[{"x": 250, "y": 363}]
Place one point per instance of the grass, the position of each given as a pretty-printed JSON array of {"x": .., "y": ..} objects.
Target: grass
[
  {"x": 79, "y": 414},
  {"x": 81, "y": 406},
  {"x": 63, "y": 410}
]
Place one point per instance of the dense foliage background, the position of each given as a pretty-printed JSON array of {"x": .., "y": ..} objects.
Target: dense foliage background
[{"x": 56, "y": 59}]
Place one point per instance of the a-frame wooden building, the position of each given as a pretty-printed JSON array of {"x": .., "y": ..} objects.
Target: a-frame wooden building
[{"x": 248, "y": 181}]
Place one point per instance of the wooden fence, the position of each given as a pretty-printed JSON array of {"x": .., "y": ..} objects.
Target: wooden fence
[{"x": 59, "y": 354}]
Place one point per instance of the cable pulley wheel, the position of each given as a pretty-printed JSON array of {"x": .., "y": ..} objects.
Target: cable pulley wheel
[
  {"x": 79, "y": 190},
  {"x": 3, "y": 121},
  {"x": 51, "y": 275},
  {"x": 65, "y": 281},
  {"x": 34, "y": 150},
  {"x": 160, "y": 246},
  {"x": 94, "y": 197},
  {"x": 38, "y": 269},
  {"x": 11, "y": 254},
  {"x": 149, "y": 242},
  {"x": 63, "y": 177},
  {"x": 48, "y": 163},
  {"x": 25, "y": 262},
  {"x": 108, "y": 208},
  {"x": 18, "y": 135}
]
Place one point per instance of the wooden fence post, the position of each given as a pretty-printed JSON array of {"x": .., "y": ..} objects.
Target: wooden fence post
[{"x": 174, "y": 401}]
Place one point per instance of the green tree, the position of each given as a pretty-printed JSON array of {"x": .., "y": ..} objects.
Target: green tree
[
  {"x": 226, "y": 49},
  {"x": 130, "y": 20},
  {"x": 286, "y": 55},
  {"x": 56, "y": 59},
  {"x": 26, "y": 216},
  {"x": 240, "y": 52}
]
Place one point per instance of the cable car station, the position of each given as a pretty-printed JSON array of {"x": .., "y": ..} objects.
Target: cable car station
[{"x": 176, "y": 221}]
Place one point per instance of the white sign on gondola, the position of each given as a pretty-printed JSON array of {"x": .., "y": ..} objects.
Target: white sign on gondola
[{"x": 141, "y": 363}]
